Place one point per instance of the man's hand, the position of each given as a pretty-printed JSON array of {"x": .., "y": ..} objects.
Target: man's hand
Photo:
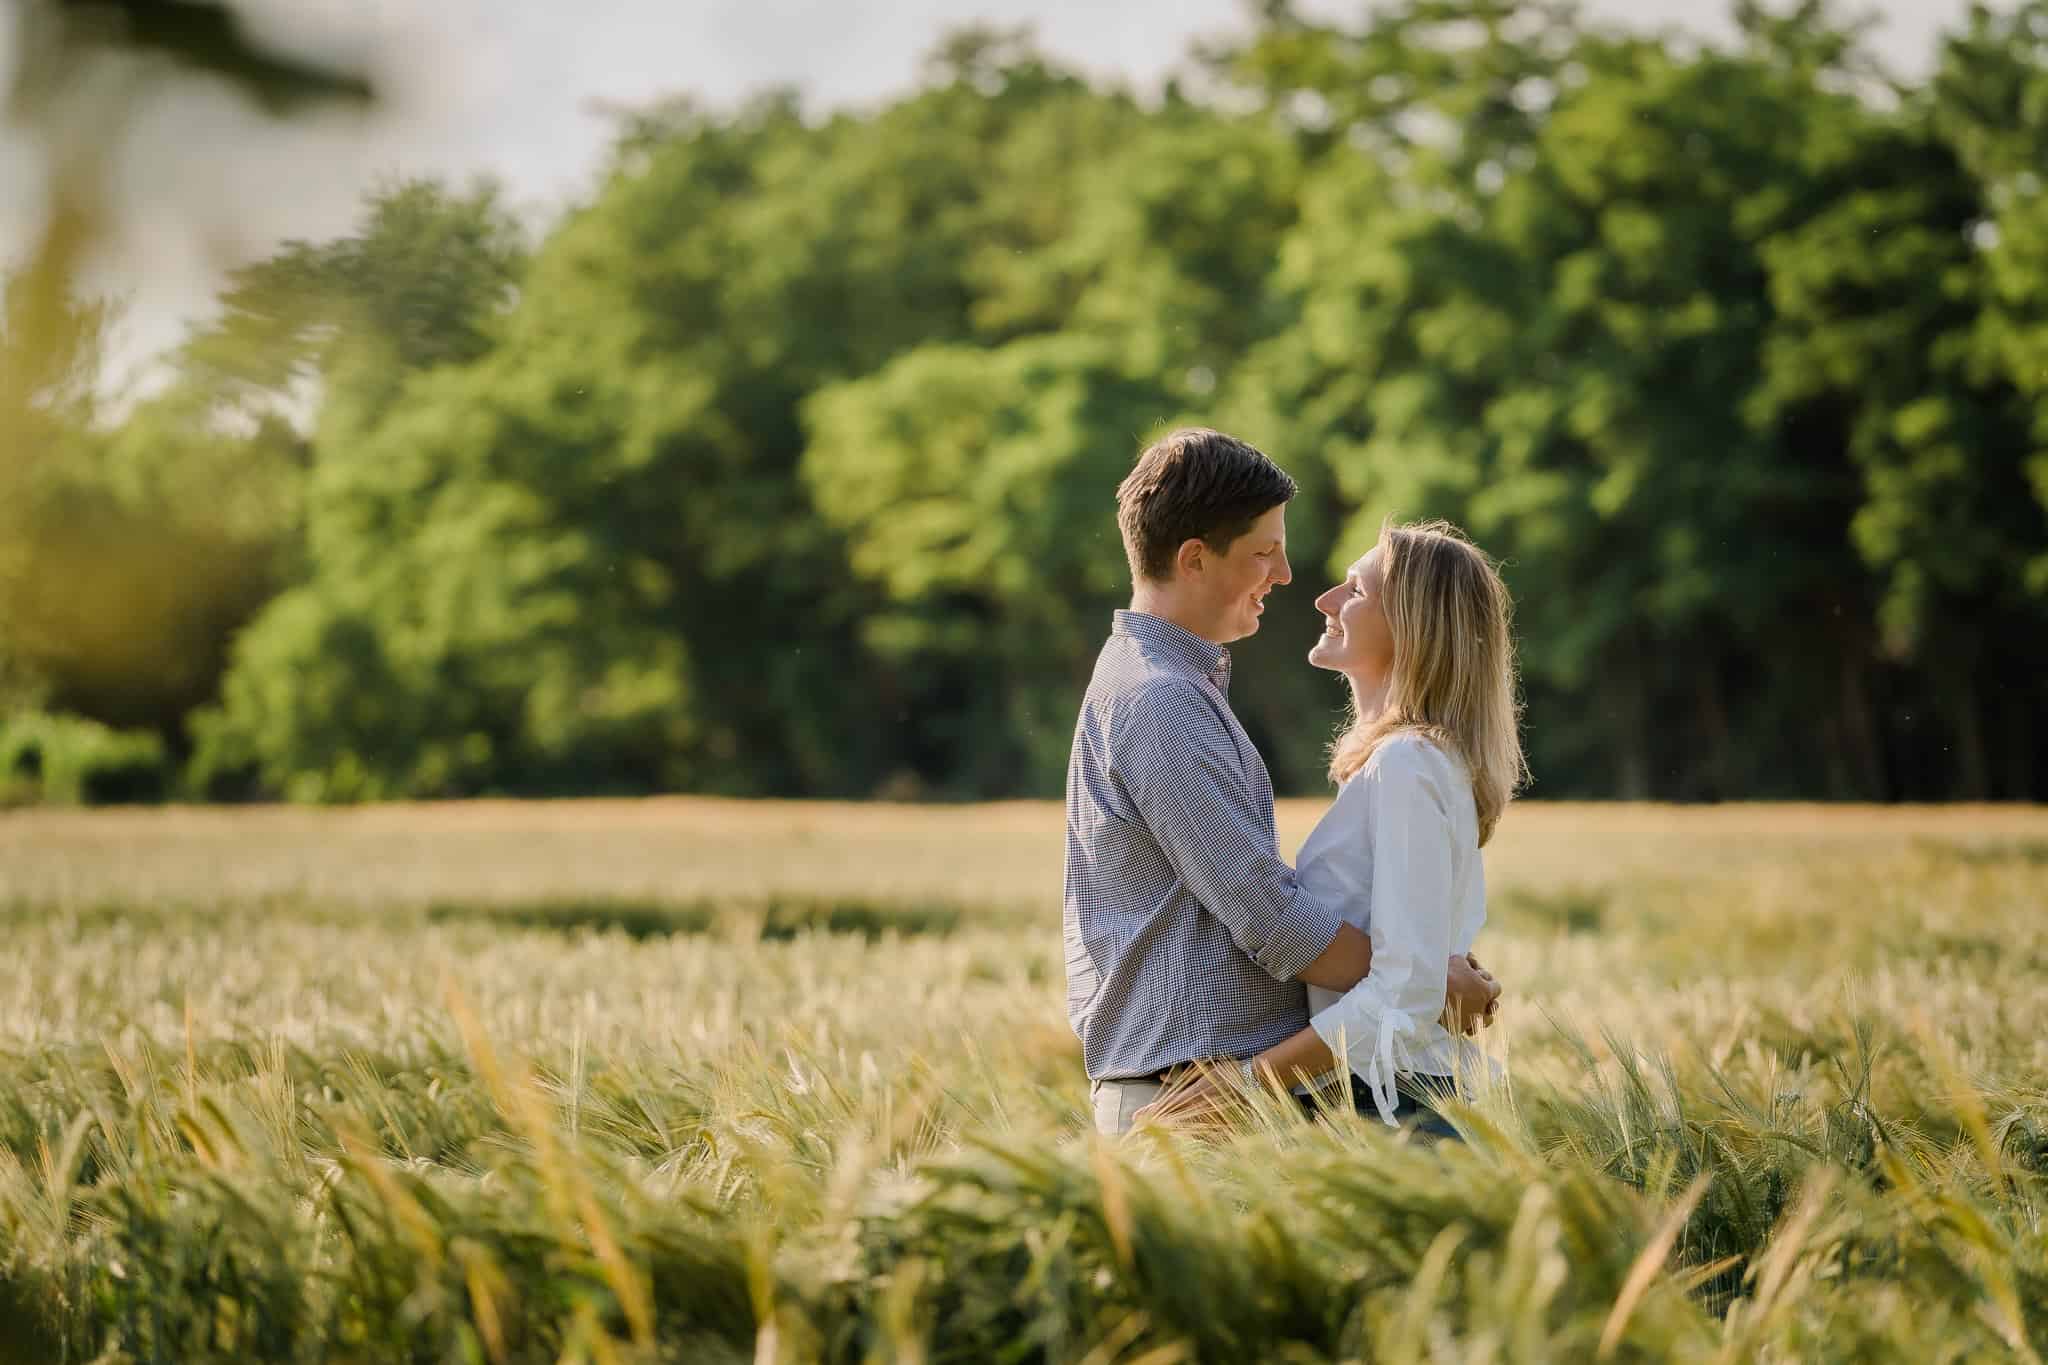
[
  {"x": 1471, "y": 996},
  {"x": 1201, "y": 1099}
]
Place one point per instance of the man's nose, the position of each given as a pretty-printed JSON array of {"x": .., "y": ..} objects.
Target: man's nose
[{"x": 1282, "y": 573}]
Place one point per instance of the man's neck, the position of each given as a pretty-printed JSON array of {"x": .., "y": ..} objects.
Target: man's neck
[{"x": 1168, "y": 607}]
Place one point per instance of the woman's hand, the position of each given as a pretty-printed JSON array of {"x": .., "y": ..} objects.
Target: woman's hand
[
  {"x": 1471, "y": 996},
  {"x": 1486, "y": 1016}
]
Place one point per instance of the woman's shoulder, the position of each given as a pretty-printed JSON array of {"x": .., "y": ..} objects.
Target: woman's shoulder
[
  {"x": 1411, "y": 766},
  {"x": 1410, "y": 751}
]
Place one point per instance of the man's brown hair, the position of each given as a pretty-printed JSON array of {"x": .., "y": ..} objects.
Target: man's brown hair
[{"x": 1194, "y": 484}]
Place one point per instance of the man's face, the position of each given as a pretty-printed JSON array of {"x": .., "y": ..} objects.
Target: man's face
[{"x": 1234, "y": 583}]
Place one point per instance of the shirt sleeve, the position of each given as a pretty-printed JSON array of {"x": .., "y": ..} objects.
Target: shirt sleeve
[
  {"x": 1406, "y": 839},
  {"x": 1178, "y": 763}
]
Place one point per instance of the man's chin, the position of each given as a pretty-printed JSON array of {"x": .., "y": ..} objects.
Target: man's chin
[{"x": 1231, "y": 633}]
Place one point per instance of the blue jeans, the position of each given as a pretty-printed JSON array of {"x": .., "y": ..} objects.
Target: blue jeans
[{"x": 1414, "y": 1108}]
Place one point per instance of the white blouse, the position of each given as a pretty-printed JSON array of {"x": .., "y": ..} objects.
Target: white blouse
[{"x": 1397, "y": 854}]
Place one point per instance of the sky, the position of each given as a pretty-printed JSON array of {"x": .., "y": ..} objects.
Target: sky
[{"x": 516, "y": 89}]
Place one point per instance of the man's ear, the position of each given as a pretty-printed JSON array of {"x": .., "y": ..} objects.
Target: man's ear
[{"x": 1190, "y": 557}]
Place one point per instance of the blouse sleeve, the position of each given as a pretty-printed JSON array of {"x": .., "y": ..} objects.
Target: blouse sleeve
[{"x": 1410, "y": 847}]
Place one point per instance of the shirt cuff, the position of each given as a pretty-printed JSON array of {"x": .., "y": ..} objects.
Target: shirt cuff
[
  {"x": 1371, "y": 1060},
  {"x": 1298, "y": 938}
]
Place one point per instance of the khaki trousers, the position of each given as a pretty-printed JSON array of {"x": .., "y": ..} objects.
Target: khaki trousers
[{"x": 1117, "y": 1101}]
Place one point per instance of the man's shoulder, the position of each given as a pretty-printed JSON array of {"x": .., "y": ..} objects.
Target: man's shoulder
[
  {"x": 1151, "y": 693},
  {"x": 1161, "y": 723},
  {"x": 1135, "y": 704},
  {"x": 1127, "y": 674}
]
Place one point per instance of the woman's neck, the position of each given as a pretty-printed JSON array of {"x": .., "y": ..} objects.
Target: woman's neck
[{"x": 1368, "y": 696}]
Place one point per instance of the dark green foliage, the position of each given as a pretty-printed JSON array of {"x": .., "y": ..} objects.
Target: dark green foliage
[
  {"x": 774, "y": 919},
  {"x": 2023, "y": 1136},
  {"x": 69, "y": 761},
  {"x": 1756, "y": 1150},
  {"x": 1997, "y": 853},
  {"x": 1573, "y": 910}
]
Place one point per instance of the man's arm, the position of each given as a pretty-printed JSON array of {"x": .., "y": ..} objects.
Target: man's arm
[
  {"x": 1306, "y": 1057},
  {"x": 1470, "y": 989},
  {"x": 1178, "y": 763}
]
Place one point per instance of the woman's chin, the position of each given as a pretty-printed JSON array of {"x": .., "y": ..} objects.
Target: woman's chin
[{"x": 1319, "y": 657}]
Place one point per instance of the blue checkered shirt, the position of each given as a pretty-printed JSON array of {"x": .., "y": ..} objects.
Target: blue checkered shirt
[{"x": 1184, "y": 930}]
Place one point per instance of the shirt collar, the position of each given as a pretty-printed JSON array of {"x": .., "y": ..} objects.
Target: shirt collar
[{"x": 1164, "y": 640}]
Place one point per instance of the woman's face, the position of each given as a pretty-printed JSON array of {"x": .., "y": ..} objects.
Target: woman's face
[{"x": 1357, "y": 639}]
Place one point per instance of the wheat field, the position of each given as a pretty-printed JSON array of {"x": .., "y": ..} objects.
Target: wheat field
[{"x": 690, "y": 1080}]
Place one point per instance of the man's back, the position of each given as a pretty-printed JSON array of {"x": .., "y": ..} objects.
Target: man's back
[{"x": 1184, "y": 930}]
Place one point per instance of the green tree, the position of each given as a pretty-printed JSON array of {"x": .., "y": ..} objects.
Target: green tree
[
  {"x": 1873, "y": 358},
  {"x": 142, "y": 544},
  {"x": 588, "y": 559},
  {"x": 1139, "y": 288},
  {"x": 50, "y": 343},
  {"x": 974, "y": 486},
  {"x": 1979, "y": 554},
  {"x": 116, "y": 574}
]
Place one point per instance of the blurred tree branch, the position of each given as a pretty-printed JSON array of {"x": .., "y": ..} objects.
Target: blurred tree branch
[
  {"x": 49, "y": 95},
  {"x": 58, "y": 36},
  {"x": 51, "y": 340}
]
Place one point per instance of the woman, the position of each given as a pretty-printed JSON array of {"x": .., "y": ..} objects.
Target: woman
[{"x": 1432, "y": 756}]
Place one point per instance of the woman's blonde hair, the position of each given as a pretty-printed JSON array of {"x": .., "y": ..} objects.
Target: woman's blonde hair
[{"x": 1454, "y": 664}]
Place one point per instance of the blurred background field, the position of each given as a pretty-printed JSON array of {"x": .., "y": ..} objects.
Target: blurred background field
[
  {"x": 1003, "y": 856},
  {"x": 702, "y": 1080}
]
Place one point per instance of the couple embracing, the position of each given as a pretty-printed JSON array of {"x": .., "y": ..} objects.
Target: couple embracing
[{"x": 1198, "y": 961}]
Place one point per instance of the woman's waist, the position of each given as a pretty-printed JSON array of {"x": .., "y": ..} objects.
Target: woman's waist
[{"x": 1429, "y": 1048}]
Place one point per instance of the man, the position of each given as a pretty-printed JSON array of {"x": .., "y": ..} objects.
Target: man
[{"x": 1187, "y": 937}]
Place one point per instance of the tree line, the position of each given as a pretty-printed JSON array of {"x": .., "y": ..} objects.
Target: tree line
[{"x": 784, "y": 464}]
